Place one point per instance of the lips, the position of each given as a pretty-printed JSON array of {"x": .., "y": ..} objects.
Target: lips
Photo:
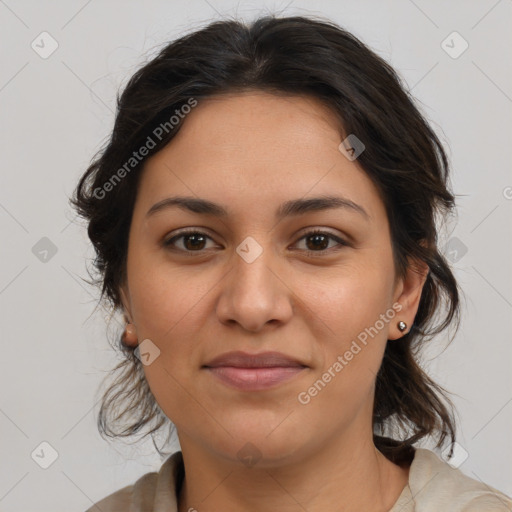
[
  {"x": 254, "y": 372},
  {"x": 263, "y": 360}
]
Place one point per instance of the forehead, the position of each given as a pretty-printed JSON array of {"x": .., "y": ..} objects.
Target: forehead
[
  {"x": 253, "y": 149},
  {"x": 256, "y": 120}
]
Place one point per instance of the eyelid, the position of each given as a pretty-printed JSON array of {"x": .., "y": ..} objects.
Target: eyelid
[
  {"x": 340, "y": 240},
  {"x": 167, "y": 242}
]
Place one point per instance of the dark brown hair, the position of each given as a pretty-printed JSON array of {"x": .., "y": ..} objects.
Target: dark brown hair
[{"x": 402, "y": 156}]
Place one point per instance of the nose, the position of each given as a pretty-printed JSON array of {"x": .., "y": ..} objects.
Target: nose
[{"x": 254, "y": 294}]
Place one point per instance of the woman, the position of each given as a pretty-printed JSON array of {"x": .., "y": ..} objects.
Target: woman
[{"x": 264, "y": 218}]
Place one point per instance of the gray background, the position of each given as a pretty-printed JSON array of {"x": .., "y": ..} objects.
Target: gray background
[{"x": 55, "y": 113}]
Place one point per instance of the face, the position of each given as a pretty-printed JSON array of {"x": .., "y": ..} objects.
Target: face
[{"x": 252, "y": 280}]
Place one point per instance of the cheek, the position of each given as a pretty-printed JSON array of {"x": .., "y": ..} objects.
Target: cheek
[
  {"x": 350, "y": 315},
  {"x": 167, "y": 305},
  {"x": 163, "y": 296},
  {"x": 347, "y": 298}
]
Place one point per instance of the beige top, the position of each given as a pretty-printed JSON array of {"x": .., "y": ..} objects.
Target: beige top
[{"x": 434, "y": 486}]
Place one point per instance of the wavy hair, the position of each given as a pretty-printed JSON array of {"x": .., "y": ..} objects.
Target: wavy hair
[{"x": 403, "y": 157}]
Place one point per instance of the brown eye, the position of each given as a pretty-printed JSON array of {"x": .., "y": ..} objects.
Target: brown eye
[
  {"x": 318, "y": 242},
  {"x": 193, "y": 241}
]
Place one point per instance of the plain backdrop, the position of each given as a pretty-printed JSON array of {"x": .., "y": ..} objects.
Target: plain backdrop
[{"x": 56, "y": 111}]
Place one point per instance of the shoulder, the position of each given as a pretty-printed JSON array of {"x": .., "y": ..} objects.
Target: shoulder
[
  {"x": 150, "y": 489},
  {"x": 118, "y": 500},
  {"x": 436, "y": 485}
]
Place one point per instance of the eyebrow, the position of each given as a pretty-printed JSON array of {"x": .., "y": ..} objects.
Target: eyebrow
[{"x": 287, "y": 209}]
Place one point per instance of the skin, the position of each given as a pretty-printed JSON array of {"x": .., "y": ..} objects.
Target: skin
[{"x": 250, "y": 152}]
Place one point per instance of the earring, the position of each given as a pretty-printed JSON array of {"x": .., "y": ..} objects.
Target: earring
[
  {"x": 130, "y": 335},
  {"x": 402, "y": 326}
]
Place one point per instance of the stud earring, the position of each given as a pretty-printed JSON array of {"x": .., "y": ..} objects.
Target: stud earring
[
  {"x": 402, "y": 326},
  {"x": 130, "y": 334}
]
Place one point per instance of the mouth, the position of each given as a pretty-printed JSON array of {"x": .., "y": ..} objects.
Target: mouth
[
  {"x": 254, "y": 379},
  {"x": 254, "y": 372}
]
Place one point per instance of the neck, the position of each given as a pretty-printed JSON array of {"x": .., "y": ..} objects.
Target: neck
[{"x": 353, "y": 475}]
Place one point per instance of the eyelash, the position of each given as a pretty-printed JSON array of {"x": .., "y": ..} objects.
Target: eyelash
[{"x": 342, "y": 243}]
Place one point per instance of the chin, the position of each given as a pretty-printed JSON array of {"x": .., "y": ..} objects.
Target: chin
[{"x": 257, "y": 443}]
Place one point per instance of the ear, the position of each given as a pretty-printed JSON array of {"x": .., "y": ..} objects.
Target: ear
[
  {"x": 130, "y": 333},
  {"x": 408, "y": 294},
  {"x": 125, "y": 302}
]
